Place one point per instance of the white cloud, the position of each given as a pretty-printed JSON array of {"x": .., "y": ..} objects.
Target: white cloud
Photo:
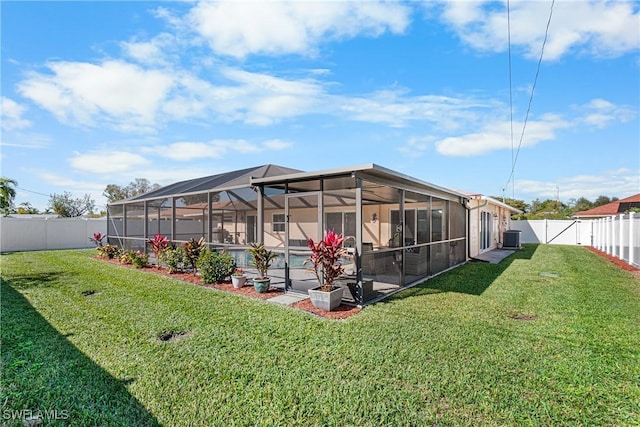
[
  {"x": 396, "y": 108},
  {"x": 417, "y": 146},
  {"x": 620, "y": 183},
  {"x": 154, "y": 51},
  {"x": 12, "y": 115},
  {"x": 497, "y": 136},
  {"x": 120, "y": 93},
  {"x": 239, "y": 29},
  {"x": 215, "y": 149},
  {"x": 600, "y": 113},
  {"x": 107, "y": 162},
  {"x": 277, "y": 144},
  {"x": 599, "y": 28}
]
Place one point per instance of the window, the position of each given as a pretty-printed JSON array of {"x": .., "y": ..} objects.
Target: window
[{"x": 278, "y": 223}]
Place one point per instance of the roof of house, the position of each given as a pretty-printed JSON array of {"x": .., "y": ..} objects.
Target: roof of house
[
  {"x": 613, "y": 208},
  {"x": 491, "y": 200},
  {"x": 223, "y": 181},
  {"x": 278, "y": 175}
]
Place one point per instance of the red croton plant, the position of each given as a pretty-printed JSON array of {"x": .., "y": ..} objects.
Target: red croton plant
[
  {"x": 158, "y": 244},
  {"x": 325, "y": 259}
]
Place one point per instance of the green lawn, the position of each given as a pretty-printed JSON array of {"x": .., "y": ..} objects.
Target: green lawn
[{"x": 480, "y": 345}]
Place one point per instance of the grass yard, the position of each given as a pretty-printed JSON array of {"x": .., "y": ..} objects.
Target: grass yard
[{"x": 480, "y": 345}]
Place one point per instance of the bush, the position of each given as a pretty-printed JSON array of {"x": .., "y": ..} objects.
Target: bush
[
  {"x": 174, "y": 259},
  {"x": 108, "y": 251},
  {"x": 215, "y": 267},
  {"x": 140, "y": 259},
  {"x": 126, "y": 257},
  {"x": 192, "y": 251}
]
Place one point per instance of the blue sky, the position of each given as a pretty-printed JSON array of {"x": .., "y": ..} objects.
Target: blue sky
[{"x": 97, "y": 93}]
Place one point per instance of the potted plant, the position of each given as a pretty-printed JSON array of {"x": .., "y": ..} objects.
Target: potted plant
[
  {"x": 238, "y": 278},
  {"x": 262, "y": 260},
  {"x": 325, "y": 260}
]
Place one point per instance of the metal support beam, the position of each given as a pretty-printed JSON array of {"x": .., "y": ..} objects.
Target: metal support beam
[
  {"x": 358, "y": 254},
  {"x": 260, "y": 214}
]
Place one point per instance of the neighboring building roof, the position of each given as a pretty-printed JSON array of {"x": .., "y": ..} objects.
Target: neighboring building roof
[
  {"x": 228, "y": 180},
  {"x": 613, "y": 208}
]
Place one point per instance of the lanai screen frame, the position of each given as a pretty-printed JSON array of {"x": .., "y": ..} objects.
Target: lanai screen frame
[
  {"x": 166, "y": 208},
  {"x": 378, "y": 175}
]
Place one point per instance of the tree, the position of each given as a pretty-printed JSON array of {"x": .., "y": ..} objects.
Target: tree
[
  {"x": 66, "y": 206},
  {"x": 114, "y": 192},
  {"x": 582, "y": 204},
  {"x": 7, "y": 194},
  {"x": 515, "y": 203},
  {"x": 603, "y": 200},
  {"x": 26, "y": 208}
]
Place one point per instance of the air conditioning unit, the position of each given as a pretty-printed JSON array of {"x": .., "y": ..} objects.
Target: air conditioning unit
[{"x": 511, "y": 239}]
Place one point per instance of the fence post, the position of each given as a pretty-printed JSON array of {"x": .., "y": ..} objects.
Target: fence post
[
  {"x": 621, "y": 238},
  {"x": 546, "y": 227},
  {"x": 599, "y": 233},
  {"x": 631, "y": 238},
  {"x": 608, "y": 226},
  {"x": 613, "y": 235}
]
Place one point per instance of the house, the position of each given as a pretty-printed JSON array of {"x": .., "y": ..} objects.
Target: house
[
  {"x": 400, "y": 230},
  {"x": 488, "y": 220},
  {"x": 614, "y": 208}
]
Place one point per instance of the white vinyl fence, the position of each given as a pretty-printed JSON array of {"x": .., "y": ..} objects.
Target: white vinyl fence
[
  {"x": 616, "y": 235},
  {"x": 619, "y": 236},
  {"x": 31, "y": 234},
  {"x": 555, "y": 232}
]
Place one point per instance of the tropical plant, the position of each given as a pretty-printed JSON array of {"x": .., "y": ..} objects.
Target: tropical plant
[
  {"x": 238, "y": 272},
  {"x": 126, "y": 257},
  {"x": 262, "y": 259},
  {"x": 97, "y": 239},
  {"x": 325, "y": 259},
  {"x": 139, "y": 259},
  {"x": 173, "y": 257},
  {"x": 159, "y": 243},
  {"x": 215, "y": 267},
  {"x": 108, "y": 251},
  {"x": 192, "y": 250},
  {"x": 7, "y": 194}
]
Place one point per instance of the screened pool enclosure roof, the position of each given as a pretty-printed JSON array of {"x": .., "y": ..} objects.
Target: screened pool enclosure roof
[{"x": 279, "y": 176}]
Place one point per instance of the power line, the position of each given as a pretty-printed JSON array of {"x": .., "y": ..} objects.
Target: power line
[
  {"x": 34, "y": 192},
  {"x": 533, "y": 89},
  {"x": 513, "y": 191}
]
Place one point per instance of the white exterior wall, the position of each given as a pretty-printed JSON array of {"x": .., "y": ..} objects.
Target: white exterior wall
[
  {"x": 501, "y": 222},
  {"x": 31, "y": 234}
]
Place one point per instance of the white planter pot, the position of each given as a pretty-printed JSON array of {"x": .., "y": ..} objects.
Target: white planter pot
[
  {"x": 327, "y": 301},
  {"x": 238, "y": 281}
]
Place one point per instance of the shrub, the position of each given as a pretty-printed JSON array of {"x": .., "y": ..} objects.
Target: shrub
[
  {"x": 215, "y": 267},
  {"x": 97, "y": 239},
  {"x": 126, "y": 257},
  {"x": 108, "y": 251},
  {"x": 159, "y": 244},
  {"x": 173, "y": 257},
  {"x": 140, "y": 259},
  {"x": 192, "y": 250}
]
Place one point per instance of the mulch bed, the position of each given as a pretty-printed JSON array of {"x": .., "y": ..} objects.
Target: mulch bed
[
  {"x": 620, "y": 263},
  {"x": 341, "y": 312}
]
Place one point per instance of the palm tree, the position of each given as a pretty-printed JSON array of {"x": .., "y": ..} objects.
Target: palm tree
[{"x": 7, "y": 194}]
